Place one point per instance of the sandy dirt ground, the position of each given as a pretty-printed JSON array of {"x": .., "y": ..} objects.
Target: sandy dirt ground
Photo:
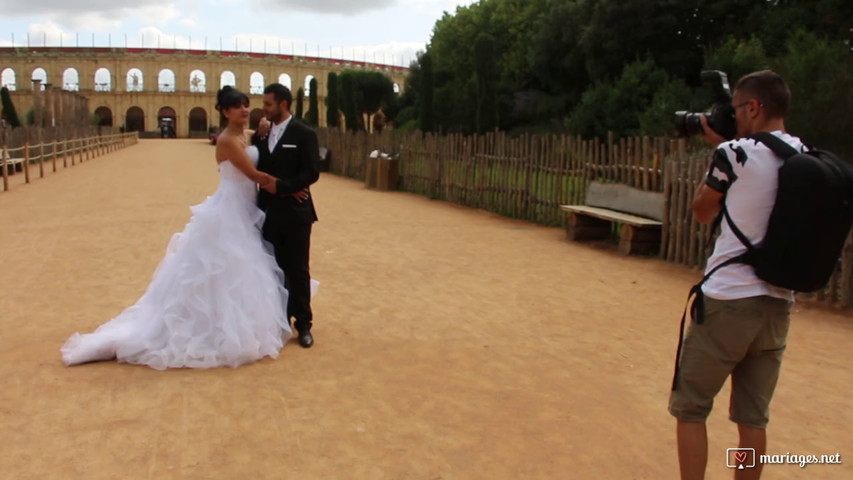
[{"x": 451, "y": 344}]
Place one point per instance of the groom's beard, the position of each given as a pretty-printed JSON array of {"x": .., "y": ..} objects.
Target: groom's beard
[{"x": 276, "y": 116}]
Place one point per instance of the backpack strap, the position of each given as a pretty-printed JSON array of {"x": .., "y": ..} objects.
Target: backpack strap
[{"x": 777, "y": 145}]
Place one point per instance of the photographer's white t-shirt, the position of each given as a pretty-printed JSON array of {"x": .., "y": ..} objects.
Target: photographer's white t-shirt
[{"x": 748, "y": 173}]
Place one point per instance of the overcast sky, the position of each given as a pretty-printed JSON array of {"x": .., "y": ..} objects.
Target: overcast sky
[{"x": 365, "y": 29}]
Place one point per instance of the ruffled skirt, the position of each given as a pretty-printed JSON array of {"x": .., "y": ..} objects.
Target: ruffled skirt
[{"x": 216, "y": 299}]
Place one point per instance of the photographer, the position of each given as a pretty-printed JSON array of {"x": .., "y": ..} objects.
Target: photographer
[{"x": 745, "y": 325}]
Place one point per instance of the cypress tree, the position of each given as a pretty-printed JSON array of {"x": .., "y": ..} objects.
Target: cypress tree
[
  {"x": 300, "y": 98},
  {"x": 9, "y": 111},
  {"x": 313, "y": 117},
  {"x": 332, "y": 101}
]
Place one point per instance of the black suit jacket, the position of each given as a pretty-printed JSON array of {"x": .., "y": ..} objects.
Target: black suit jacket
[{"x": 295, "y": 161}]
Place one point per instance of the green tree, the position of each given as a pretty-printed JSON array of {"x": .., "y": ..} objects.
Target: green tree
[
  {"x": 427, "y": 111},
  {"x": 9, "y": 112},
  {"x": 407, "y": 103},
  {"x": 332, "y": 100},
  {"x": 313, "y": 116},
  {"x": 377, "y": 91},
  {"x": 618, "y": 105},
  {"x": 487, "y": 113},
  {"x": 737, "y": 57},
  {"x": 371, "y": 91},
  {"x": 300, "y": 99},
  {"x": 819, "y": 73},
  {"x": 348, "y": 93}
]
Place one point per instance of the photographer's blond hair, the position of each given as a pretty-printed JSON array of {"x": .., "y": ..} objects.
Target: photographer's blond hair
[{"x": 769, "y": 89}]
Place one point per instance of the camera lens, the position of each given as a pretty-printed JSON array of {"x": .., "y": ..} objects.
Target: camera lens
[{"x": 688, "y": 123}]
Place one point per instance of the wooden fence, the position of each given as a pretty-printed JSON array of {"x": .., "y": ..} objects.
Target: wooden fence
[
  {"x": 24, "y": 149},
  {"x": 530, "y": 176}
]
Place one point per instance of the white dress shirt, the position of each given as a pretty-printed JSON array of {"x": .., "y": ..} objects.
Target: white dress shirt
[{"x": 276, "y": 131}]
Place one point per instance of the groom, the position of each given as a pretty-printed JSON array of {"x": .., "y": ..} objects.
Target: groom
[{"x": 290, "y": 154}]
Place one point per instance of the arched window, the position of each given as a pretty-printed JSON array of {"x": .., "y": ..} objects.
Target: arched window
[
  {"x": 166, "y": 81},
  {"x": 227, "y": 78},
  {"x": 307, "y": 85},
  {"x": 134, "y": 81},
  {"x": 256, "y": 84},
  {"x": 198, "y": 81},
  {"x": 40, "y": 74},
  {"x": 71, "y": 80},
  {"x": 103, "y": 80},
  {"x": 284, "y": 79},
  {"x": 8, "y": 79}
]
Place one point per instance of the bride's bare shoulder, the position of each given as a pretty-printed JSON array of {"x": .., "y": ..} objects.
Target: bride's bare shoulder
[{"x": 224, "y": 144}]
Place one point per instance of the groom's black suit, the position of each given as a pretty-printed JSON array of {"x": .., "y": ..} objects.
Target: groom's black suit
[{"x": 295, "y": 162}]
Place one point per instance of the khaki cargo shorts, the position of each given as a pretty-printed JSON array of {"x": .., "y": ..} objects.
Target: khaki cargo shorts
[{"x": 744, "y": 338}]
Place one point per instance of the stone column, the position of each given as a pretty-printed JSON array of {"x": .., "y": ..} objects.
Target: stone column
[
  {"x": 48, "y": 105},
  {"x": 37, "y": 105},
  {"x": 57, "y": 107}
]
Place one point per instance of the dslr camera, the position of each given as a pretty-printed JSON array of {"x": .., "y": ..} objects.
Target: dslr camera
[{"x": 721, "y": 118}]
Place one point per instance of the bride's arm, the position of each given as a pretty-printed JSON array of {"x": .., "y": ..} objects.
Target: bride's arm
[
  {"x": 248, "y": 135},
  {"x": 234, "y": 151}
]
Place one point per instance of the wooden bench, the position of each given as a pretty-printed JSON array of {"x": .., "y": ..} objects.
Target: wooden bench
[
  {"x": 639, "y": 212},
  {"x": 11, "y": 164}
]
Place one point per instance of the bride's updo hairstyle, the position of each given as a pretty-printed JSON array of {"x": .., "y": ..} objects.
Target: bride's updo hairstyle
[{"x": 230, "y": 97}]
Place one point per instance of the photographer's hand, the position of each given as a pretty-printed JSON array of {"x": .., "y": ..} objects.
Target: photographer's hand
[{"x": 710, "y": 136}]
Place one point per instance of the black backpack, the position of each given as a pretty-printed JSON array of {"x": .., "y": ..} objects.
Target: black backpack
[
  {"x": 810, "y": 220},
  {"x": 807, "y": 229}
]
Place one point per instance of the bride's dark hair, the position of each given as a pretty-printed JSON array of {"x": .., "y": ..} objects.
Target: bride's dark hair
[{"x": 229, "y": 97}]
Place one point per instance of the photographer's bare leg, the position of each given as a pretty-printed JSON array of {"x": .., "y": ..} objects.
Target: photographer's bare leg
[
  {"x": 692, "y": 449},
  {"x": 751, "y": 437}
]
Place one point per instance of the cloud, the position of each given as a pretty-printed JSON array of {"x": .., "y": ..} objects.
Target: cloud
[
  {"x": 341, "y": 7},
  {"x": 90, "y": 22},
  {"x": 156, "y": 14},
  {"x": 93, "y": 15},
  {"x": 45, "y": 33},
  {"x": 153, "y": 37},
  {"x": 391, "y": 53},
  {"x": 17, "y": 7}
]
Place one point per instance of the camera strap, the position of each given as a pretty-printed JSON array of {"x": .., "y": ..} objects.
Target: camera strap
[{"x": 697, "y": 310}]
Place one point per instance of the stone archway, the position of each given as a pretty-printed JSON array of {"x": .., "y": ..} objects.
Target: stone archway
[
  {"x": 167, "y": 122},
  {"x": 255, "y": 118},
  {"x": 103, "y": 80},
  {"x": 198, "y": 123},
  {"x": 71, "y": 80},
  {"x": 134, "y": 120},
  {"x": 8, "y": 79},
  {"x": 105, "y": 116}
]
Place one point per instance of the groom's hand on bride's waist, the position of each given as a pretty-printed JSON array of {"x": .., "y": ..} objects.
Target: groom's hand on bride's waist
[{"x": 299, "y": 196}]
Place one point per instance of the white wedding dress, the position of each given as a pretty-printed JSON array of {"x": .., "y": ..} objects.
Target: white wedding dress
[{"x": 216, "y": 299}]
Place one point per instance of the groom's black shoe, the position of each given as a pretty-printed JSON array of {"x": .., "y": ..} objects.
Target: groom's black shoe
[{"x": 306, "y": 340}]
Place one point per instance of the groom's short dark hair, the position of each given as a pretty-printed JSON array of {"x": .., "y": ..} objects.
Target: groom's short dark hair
[{"x": 280, "y": 92}]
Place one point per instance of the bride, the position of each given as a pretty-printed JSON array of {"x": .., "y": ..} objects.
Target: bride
[{"x": 217, "y": 298}]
